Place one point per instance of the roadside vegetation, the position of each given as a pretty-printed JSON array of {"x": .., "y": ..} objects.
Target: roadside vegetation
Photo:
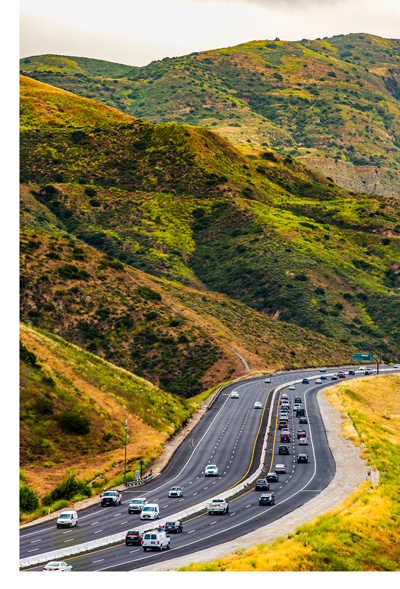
[{"x": 361, "y": 534}]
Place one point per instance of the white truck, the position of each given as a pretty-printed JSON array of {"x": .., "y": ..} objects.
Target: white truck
[{"x": 218, "y": 506}]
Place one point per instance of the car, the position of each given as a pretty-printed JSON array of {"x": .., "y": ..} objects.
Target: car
[
  {"x": 303, "y": 420},
  {"x": 234, "y": 395},
  {"x": 396, "y": 366},
  {"x": 367, "y": 372},
  {"x": 173, "y": 526},
  {"x": 300, "y": 412},
  {"x": 266, "y": 499},
  {"x": 257, "y": 405},
  {"x": 318, "y": 381},
  {"x": 285, "y": 437},
  {"x": 285, "y": 403},
  {"x": 136, "y": 505},
  {"x": 362, "y": 368},
  {"x": 283, "y": 449},
  {"x": 175, "y": 492},
  {"x": 284, "y": 412},
  {"x": 67, "y": 519},
  {"x": 341, "y": 375},
  {"x": 303, "y": 442},
  {"x": 283, "y": 423},
  {"x": 301, "y": 434},
  {"x": 334, "y": 377},
  {"x": 267, "y": 380},
  {"x": 302, "y": 458},
  {"x": 352, "y": 372},
  {"x": 284, "y": 396},
  {"x": 211, "y": 471},
  {"x": 280, "y": 468},
  {"x": 111, "y": 498},
  {"x": 292, "y": 388},
  {"x": 262, "y": 485},
  {"x": 150, "y": 511},
  {"x": 133, "y": 537},
  {"x": 296, "y": 406},
  {"x": 272, "y": 477},
  {"x": 323, "y": 377},
  {"x": 285, "y": 431},
  {"x": 297, "y": 399},
  {"x": 218, "y": 507},
  {"x": 322, "y": 369},
  {"x": 305, "y": 381},
  {"x": 59, "y": 566},
  {"x": 155, "y": 540}
]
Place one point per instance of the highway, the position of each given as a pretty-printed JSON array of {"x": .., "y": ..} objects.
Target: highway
[{"x": 230, "y": 435}]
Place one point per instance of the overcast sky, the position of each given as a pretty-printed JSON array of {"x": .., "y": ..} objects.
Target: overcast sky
[{"x": 136, "y": 32}]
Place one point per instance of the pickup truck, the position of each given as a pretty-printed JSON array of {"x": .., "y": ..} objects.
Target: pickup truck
[{"x": 218, "y": 506}]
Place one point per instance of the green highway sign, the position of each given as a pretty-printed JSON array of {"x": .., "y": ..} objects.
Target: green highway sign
[{"x": 363, "y": 357}]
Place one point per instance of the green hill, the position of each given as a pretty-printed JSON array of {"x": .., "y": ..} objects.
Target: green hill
[
  {"x": 73, "y": 407},
  {"x": 328, "y": 100},
  {"x": 182, "y": 203}
]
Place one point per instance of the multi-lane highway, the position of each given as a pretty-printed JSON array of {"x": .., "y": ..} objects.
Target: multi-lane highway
[{"x": 230, "y": 435}]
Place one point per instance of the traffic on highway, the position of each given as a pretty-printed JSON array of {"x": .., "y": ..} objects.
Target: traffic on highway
[{"x": 278, "y": 454}]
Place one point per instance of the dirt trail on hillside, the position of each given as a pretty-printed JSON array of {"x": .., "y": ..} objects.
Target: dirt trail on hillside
[{"x": 351, "y": 471}]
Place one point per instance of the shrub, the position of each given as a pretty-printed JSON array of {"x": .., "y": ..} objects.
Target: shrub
[
  {"x": 90, "y": 191},
  {"x": 94, "y": 202},
  {"x": 147, "y": 293},
  {"x": 28, "y": 500},
  {"x": 67, "y": 489},
  {"x": 73, "y": 422},
  {"x": 71, "y": 272},
  {"x": 27, "y": 356}
]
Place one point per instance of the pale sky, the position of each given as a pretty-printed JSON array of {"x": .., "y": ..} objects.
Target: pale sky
[{"x": 136, "y": 32}]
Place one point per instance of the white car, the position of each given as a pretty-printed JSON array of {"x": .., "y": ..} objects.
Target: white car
[
  {"x": 296, "y": 406},
  {"x": 257, "y": 405},
  {"x": 292, "y": 388},
  {"x": 59, "y": 566},
  {"x": 67, "y": 519},
  {"x": 211, "y": 471},
  {"x": 150, "y": 511},
  {"x": 322, "y": 370},
  {"x": 318, "y": 381},
  {"x": 234, "y": 395},
  {"x": 280, "y": 468},
  {"x": 267, "y": 380},
  {"x": 303, "y": 442},
  {"x": 175, "y": 492},
  {"x": 362, "y": 368},
  {"x": 396, "y": 366},
  {"x": 136, "y": 505},
  {"x": 284, "y": 396}
]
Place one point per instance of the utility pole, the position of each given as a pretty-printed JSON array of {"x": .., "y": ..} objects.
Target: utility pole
[{"x": 126, "y": 436}]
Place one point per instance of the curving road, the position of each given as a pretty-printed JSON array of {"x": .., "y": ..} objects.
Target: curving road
[{"x": 231, "y": 436}]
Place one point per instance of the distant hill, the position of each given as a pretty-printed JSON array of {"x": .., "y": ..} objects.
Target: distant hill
[
  {"x": 182, "y": 204},
  {"x": 329, "y": 100}
]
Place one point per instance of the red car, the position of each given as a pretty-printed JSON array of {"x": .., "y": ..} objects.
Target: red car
[
  {"x": 285, "y": 438},
  {"x": 301, "y": 434},
  {"x": 341, "y": 375}
]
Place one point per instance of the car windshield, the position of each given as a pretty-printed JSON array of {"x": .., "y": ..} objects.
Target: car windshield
[
  {"x": 109, "y": 494},
  {"x": 64, "y": 516},
  {"x": 148, "y": 508},
  {"x": 137, "y": 501}
]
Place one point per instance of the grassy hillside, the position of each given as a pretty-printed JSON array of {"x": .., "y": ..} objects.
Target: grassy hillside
[
  {"x": 182, "y": 203},
  {"x": 73, "y": 407},
  {"x": 335, "y": 97},
  {"x": 362, "y": 534}
]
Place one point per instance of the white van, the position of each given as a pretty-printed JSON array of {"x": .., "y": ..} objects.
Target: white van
[
  {"x": 150, "y": 511},
  {"x": 155, "y": 540},
  {"x": 67, "y": 519}
]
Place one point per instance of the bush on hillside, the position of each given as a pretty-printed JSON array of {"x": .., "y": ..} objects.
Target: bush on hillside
[
  {"x": 74, "y": 423},
  {"x": 67, "y": 490},
  {"x": 28, "y": 500}
]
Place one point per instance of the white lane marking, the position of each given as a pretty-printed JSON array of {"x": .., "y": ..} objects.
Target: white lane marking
[
  {"x": 122, "y": 523},
  {"x": 33, "y": 549},
  {"x": 94, "y": 523},
  {"x": 33, "y": 541},
  {"x": 212, "y": 523},
  {"x": 100, "y": 560},
  {"x": 69, "y": 540},
  {"x": 191, "y": 531},
  {"x": 97, "y": 531}
]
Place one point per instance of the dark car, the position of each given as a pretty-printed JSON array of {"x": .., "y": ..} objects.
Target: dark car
[
  {"x": 267, "y": 499},
  {"x": 297, "y": 399},
  {"x": 305, "y": 381},
  {"x": 323, "y": 377},
  {"x": 272, "y": 477},
  {"x": 283, "y": 449},
  {"x": 352, "y": 372},
  {"x": 262, "y": 485},
  {"x": 303, "y": 420},
  {"x": 173, "y": 526},
  {"x": 285, "y": 437},
  {"x": 133, "y": 537},
  {"x": 283, "y": 423},
  {"x": 302, "y": 458},
  {"x": 300, "y": 412},
  {"x": 334, "y": 377}
]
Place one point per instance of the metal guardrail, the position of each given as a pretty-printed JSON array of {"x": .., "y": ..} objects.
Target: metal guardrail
[{"x": 140, "y": 481}]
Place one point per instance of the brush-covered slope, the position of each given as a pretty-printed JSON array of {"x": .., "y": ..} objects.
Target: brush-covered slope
[
  {"x": 73, "y": 407},
  {"x": 182, "y": 203},
  {"x": 335, "y": 98}
]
